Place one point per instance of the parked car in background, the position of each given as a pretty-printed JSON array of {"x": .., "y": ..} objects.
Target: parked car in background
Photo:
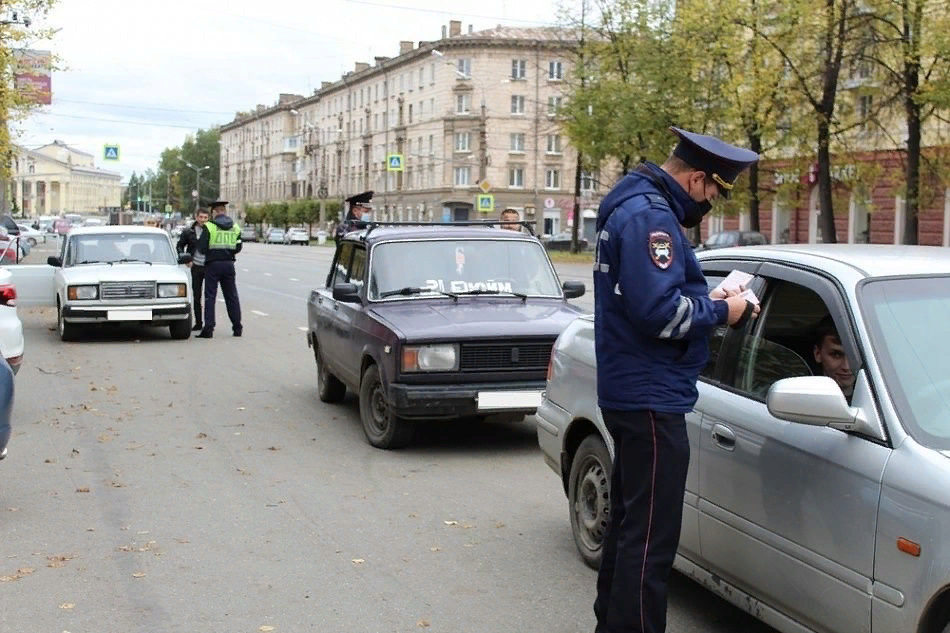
[
  {"x": 725, "y": 239},
  {"x": 7, "y": 390},
  {"x": 562, "y": 242},
  {"x": 274, "y": 236},
  {"x": 816, "y": 497},
  {"x": 248, "y": 234},
  {"x": 30, "y": 235},
  {"x": 297, "y": 236}
]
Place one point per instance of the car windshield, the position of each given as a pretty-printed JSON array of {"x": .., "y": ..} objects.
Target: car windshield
[
  {"x": 460, "y": 266},
  {"x": 117, "y": 247},
  {"x": 910, "y": 334}
]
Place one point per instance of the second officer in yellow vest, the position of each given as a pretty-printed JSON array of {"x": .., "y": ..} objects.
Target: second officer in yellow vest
[{"x": 219, "y": 243}]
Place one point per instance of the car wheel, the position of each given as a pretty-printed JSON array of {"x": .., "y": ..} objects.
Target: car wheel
[
  {"x": 67, "y": 331},
  {"x": 180, "y": 330},
  {"x": 329, "y": 387},
  {"x": 588, "y": 495},
  {"x": 382, "y": 428},
  {"x": 31, "y": 241}
]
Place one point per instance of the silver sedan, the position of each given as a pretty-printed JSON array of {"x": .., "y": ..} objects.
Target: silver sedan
[{"x": 817, "y": 496}]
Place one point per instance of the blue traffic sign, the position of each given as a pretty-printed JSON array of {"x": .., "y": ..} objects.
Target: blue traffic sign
[
  {"x": 394, "y": 162},
  {"x": 486, "y": 203},
  {"x": 111, "y": 152}
]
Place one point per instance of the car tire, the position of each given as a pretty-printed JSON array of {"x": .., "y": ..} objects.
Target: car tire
[
  {"x": 67, "y": 331},
  {"x": 180, "y": 330},
  {"x": 588, "y": 496},
  {"x": 31, "y": 241},
  {"x": 382, "y": 429},
  {"x": 329, "y": 387}
]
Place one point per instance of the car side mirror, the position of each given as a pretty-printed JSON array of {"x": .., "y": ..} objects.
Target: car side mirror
[
  {"x": 185, "y": 258},
  {"x": 573, "y": 289},
  {"x": 347, "y": 293},
  {"x": 56, "y": 262},
  {"x": 812, "y": 400}
]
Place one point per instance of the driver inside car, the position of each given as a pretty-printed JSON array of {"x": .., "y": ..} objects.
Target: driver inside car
[{"x": 831, "y": 357}]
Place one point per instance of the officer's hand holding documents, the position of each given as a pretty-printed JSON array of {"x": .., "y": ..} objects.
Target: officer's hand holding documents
[{"x": 736, "y": 281}]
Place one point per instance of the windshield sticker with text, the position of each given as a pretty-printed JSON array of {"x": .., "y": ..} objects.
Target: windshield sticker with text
[{"x": 466, "y": 286}]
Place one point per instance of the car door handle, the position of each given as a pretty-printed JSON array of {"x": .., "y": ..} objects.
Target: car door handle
[{"x": 724, "y": 437}]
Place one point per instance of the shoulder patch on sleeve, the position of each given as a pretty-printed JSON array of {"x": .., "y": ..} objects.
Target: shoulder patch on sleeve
[{"x": 660, "y": 245}]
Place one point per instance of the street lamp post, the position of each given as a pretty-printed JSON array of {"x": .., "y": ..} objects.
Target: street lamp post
[{"x": 198, "y": 171}]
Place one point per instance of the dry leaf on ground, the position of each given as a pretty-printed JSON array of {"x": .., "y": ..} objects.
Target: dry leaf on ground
[
  {"x": 67, "y": 605},
  {"x": 86, "y": 489},
  {"x": 451, "y": 522},
  {"x": 138, "y": 574},
  {"x": 266, "y": 628},
  {"x": 423, "y": 624},
  {"x": 358, "y": 561}
]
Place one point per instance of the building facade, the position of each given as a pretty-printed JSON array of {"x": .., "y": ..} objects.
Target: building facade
[
  {"x": 469, "y": 113},
  {"x": 56, "y": 179}
]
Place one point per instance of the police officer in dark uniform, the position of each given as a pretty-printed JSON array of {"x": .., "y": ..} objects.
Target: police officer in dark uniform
[
  {"x": 653, "y": 318},
  {"x": 219, "y": 243},
  {"x": 353, "y": 220}
]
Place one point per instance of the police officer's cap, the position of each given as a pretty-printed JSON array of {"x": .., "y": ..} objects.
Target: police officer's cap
[
  {"x": 721, "y": 161},
  {"x": 218, "y": 203},
  {"x": 360, "y": 198}
]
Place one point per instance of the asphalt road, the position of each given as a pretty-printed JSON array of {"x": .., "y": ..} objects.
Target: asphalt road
[{"x": 157, "y": 485}]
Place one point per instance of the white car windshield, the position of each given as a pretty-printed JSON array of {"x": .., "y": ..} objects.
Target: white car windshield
[
  {"x": 119, "y": 247},
  {"x": 910, "y": 334},
  {"x": 461, "y": 266}
]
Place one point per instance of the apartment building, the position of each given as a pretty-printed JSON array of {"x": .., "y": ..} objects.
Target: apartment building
[{"x": 467, "y": 113}]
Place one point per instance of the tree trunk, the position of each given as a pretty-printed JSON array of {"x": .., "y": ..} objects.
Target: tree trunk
[
  {"x": 826, "y": 216},
  {"x": 912, "y": 108},
  {"x": 755, "y": 144}
]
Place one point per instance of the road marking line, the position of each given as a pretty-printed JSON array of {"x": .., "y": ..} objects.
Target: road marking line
[
  {"x": 267, "y": 275},
  {"x": 294, "y": 279},
  {"x": 259, "y": 313},
  {"x": 304, "y": 329}
]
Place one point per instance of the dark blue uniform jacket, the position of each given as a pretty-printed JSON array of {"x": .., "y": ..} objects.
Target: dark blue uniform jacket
[{"x": 653, "y": 315}]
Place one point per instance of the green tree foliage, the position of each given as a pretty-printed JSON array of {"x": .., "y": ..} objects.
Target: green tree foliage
[{"x": 173, "y": 181}]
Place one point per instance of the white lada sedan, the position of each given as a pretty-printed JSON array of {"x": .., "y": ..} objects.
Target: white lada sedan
[{"x": 110, "y": 274}]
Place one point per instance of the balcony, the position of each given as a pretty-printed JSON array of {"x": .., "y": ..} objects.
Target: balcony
[{"x": 291, "y": 145}]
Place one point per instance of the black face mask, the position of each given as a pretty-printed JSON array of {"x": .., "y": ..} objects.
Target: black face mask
[{"x": 696, "y": 211}]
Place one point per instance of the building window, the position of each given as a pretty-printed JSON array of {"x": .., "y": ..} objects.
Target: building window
[
  {"x": 516, "y": 142},
  {"x": 402, "y": 82},
  {"x": 516, "y": 177},
  {"x": 555, "y": 70},
  {"x": 463, "y": 142},
  {"x": 463, "y": 175},
  {"x": 463, "y": 104},
  {"x": 422, "y": 109},
  {"x": 465, "y": 68},
  {"x": 552, "y": 179},
  {"x": 432, "y": 107},
  {"x": 432, "y": 74},
  {"x": 410, "y": 113},
  {"x": 432, "y": 145},
  {"x": 554, "y": 104},
  {"x": 554, "y": 143},
  {"x": 422, "y": 77},
  {"x": 518, "y": 68},
  {"x": 865, "y": 107},
  {"x": 588, "y": 181},
  {"x": 517, "y": 104},
  {"x": 377, "y": 92}
]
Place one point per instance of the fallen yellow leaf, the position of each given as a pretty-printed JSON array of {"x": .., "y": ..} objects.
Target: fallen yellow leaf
[
  {"x": 82, "y": 489},
  {"x": 423, "y": 624},
  {"x": 138, "y": 574},
  {"x": 358, "y": 561},
  {"x": 267, "y": 628},
  {"x": 67, "y": 605}
]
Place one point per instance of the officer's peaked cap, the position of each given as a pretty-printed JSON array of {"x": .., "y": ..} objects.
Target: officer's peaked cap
[
  {"x": 721, "y": 161},
  {"x": 360, "y": 198},
  {"x": 218, "y": 203}
]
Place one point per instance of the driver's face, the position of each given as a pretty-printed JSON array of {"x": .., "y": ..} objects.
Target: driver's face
[
  {"x": 834, "y": 363},
  {"x": 508, "y": 221}
]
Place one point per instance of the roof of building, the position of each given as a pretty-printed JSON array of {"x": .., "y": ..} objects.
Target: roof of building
[
  {"x": 88, "y": 170},
  {"x": 869, "y": 260},
  {"x": 538, "y": 33},
  {"x": 59, "y": 143}
]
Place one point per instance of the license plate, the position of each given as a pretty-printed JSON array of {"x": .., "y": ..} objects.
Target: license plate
[
  {"x": 495, "y": 400},
  {"x": 129, "y": 315}
]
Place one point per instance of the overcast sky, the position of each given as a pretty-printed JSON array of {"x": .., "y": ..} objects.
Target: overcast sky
[{"x": 145, "y": 74}]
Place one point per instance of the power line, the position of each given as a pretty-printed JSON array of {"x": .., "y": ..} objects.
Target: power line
[
  {"x": 140, "y": 107},
  {"x": 123, "y": 121},
  {"x": 443, "y": 12}
]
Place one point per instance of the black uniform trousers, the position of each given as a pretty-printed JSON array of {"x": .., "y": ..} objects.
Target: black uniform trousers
[
  {"x": 651, "y": 457},
  {"x": 197, "y": 283},
  {"x": 221, "y": 272}
]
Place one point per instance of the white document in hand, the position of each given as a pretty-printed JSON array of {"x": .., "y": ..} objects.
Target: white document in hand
[{"x": 734, "y": 280}]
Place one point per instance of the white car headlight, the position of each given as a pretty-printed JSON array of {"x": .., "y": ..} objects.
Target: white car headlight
[
  {"x": 168, "y": 291},
  {"x": 82, "y": 293},
  {"x": 430, "y": 358}
]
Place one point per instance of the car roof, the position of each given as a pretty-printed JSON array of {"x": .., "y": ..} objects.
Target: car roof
[
  {"x": 126, "y": 228},
  {"x": 868, "y": 260},
  {"x": 434, "y": 231}
]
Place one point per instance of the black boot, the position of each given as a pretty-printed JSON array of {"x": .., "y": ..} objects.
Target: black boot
[
  {"x": 205, "y": 334},
  {"x": 238, "y": 331},
  {"x": 198, "y": 327}
]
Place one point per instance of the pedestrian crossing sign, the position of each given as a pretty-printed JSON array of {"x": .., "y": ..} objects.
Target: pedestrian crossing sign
[
  {"x": 485, "y": 203},
  {"x": 394, "y": 162},
  {"x": 111, "y": 152}
]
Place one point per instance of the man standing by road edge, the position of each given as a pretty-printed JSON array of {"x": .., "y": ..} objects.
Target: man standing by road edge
[
  {"x": 188, "y": 243},
  {"x": 653, "y": 318},
  {"x": 219, "y": 244}
]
